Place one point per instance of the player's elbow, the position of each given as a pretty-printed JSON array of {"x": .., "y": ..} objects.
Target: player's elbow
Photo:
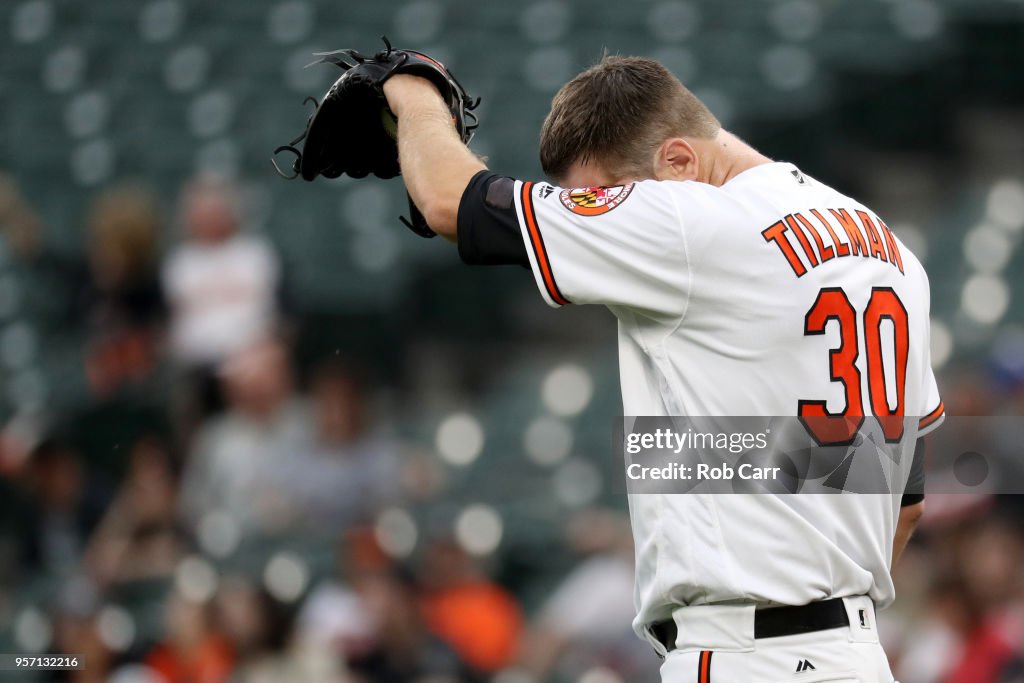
[
  {"x": 911, "y": 515},
  {"x": 442, "y": 215}
]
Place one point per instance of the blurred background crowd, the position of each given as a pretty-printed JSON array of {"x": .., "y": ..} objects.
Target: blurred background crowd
[{"x": 254, "y": 431}]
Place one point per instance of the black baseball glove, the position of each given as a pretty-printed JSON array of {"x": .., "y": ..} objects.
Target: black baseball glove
[{"x": 353, "y": 132}]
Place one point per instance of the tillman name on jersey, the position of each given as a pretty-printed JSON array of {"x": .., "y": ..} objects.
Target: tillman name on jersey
[{"x": 824, "y": 235}]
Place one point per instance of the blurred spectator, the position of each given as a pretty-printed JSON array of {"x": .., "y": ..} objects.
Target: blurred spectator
[
  {"x": 124, "y": 304},
  {"x": 235, "y": 456},
  {"x": 368, "y": 615},
  {"x": 221, "y": 285},
  {"x": 992, "y": 619},
  {"x": 62, "y": 509},
  {"x": 76, "y": 630},
  {"x": 195, "y": 650},
  {"x": 333, "y": 617},
  {"x": 347, "y": 472},
  {"x": 140, "y": 537},
  {"x": 585, "y": 622},
  {"x": 970, "y": 628},
  {"x": 402, "y": 649},
  {"x": 481, "y": 620},
  {"x": 259, "y": 628}
]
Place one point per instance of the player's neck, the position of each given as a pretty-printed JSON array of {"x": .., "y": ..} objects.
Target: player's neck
[{"x": 725, "y": 157}]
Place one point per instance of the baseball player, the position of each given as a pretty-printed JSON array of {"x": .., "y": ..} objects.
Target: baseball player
[{"x": 742, "y": 286}]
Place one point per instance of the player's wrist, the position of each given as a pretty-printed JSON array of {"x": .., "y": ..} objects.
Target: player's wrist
[{"x": 405, "y": 92}]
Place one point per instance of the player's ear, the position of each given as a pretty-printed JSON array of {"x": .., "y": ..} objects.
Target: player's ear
[{"x": 676, "y": 159}]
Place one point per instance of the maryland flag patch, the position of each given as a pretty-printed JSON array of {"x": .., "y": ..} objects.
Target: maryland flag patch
[{"x": 593, "y": 201}]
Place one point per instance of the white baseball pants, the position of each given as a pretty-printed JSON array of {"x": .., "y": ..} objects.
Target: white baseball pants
[{"x": 716, "y": 644}]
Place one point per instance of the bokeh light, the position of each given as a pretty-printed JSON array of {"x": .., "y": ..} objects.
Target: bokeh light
[
  {"x": 479, "y": 529},
  {"x": 396, "y": 532},
  {"x": 116, "y": 628},
  {"x": 987, "y": 249},
  {"x": 985, "y": 298},
  {"x": 567, "y": 390},
  {"x": 546, "y": 21},
  {"x": 32, "y": 630},
  {"x": 219, "y": 533},
  {"x": 460, "y": 439},
  {"x": 161, "y": 20},
  {"x": 673, "y": 21},
  {"x": 32, "y": 21},
  {"x": 577, "y": 483},
  {"x": 547, "y": 441},
  {"x": 1005, "y": 206},
  {"x": 941, "y": 343},
  {"x": 196, "y": 579},
  {"x": 286, "y": 576}
]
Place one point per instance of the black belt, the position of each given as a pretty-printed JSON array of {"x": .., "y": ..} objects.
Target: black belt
[{"x": 774, "y": 622}]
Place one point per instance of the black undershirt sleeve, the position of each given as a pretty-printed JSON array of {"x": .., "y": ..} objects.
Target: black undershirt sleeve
[
  {"x": 914, "y": 493},
  {"x": 489, "y": 233}
]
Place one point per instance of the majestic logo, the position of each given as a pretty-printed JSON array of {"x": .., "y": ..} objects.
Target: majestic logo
[
  {"x": 593, "y": 201},
  {"x": 805, "y": 665}
]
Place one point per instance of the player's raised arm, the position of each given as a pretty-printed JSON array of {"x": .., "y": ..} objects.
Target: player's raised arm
[{"x": 436, "y": 165}]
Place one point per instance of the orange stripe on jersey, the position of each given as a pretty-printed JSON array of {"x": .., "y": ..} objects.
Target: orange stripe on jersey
[
  {"x": 827, "y": 253},
  {"x": 932, "y": 416},
  {"x": 776, "y": 233},
  {"x": 537, "y": 242},
  {"x": 795, "y": 228},
  {"x": 857, "y": 244},
  {"x": 704, "y": 667}
]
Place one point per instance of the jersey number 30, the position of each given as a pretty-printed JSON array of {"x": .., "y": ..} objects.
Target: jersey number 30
[{"x": 835, "y": 429}]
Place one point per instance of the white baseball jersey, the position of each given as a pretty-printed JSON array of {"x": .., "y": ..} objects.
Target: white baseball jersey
[{"x": 771, "y": 295}]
